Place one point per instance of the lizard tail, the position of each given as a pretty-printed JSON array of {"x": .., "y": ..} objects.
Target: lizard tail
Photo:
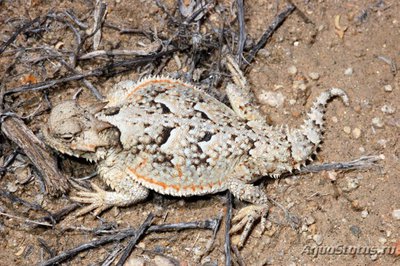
[{"x": 305, "y": 140}]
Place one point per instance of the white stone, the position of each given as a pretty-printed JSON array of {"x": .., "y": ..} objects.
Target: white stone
[
  {"x": 364, "y": 214},
  {"x": 396, "y": 214},
  {"x": 292, "y": 70},
  {"x": 274, "y": 99},
  {"x": 377, "y": 122},
  {"x": 356, "y": 133},
  {"x": 318, "y": 239},
  {"x": 348, "y": 71},
  {"x": 314, "y": 75},
  {"x": 388, "y": 109},
  {"x": 388, "y": 88},
  {"x": 347, "y": 129}
]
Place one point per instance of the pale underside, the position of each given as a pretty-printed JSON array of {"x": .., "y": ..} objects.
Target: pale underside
[{"x": 179, "y": 140}]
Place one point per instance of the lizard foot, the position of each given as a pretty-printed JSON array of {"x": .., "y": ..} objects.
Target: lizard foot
[
  {"x": 246, "y": 218},
  {"x": 99, "y": 200}
]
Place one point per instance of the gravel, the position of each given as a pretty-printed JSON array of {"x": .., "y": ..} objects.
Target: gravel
[{"x": 348, "y": 71}]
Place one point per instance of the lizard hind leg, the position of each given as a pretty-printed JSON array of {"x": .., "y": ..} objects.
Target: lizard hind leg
[
  {"x": 249, "y": 215},
  {"x": 240, "y": 96}
]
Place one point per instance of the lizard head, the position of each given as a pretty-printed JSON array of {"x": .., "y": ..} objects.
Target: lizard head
[{"x": 74, "y": 130}]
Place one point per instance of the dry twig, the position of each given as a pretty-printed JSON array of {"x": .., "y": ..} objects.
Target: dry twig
[
  {"x": 227, "y": 245},
  {"x": 140, "y": 232},
  {"x": 364, "y": 162},
  {"x": 271, "y": 29},
  {"x": 119, "y": 235},
  {"x": 15, "y": 129}
]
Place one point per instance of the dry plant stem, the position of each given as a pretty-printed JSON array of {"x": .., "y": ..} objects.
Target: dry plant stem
[
  {"x": 14, "y": 199},
  {"x": 228, "y": 218},
  {"x": 361, "y": 163},
  {"x": 46, "y": 247},
  {"x": 9, "y": 159},
  {"x": 139, "y": 52},
  {"x": 15, "y": 129},
  {"x": 59, "y": 215},
  {"x": 26, "y": 220},
  {"x": 72, "y": 16},
  {"x": 90, "y": 245},
  {"x": 148, "y": 34},
  {"x": 268, "y": 33},
  {"x": 242, "y": 31},
  {"x": 140, "y": 232},
  {"x": 107, "y": 70},
  {"x": 16, "y": 33},
  {"x": 99, "y": 16},
  {"x": 50, "y": 83},
  {"x": 120, "y": 235},
  {"x": 210, "y": 224},
  {"x": 239, "y": 257},
  {"x": 86, "y": 82},
  {"x": 112, "y": 255}
]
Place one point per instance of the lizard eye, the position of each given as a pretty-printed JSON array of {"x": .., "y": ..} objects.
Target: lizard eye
[{"x": 67, "y": 137}]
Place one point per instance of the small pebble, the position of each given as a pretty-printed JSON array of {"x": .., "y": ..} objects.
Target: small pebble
[
  {"x": 364, "y": 214},
  {"x": 356, "y": 133},
  {"x": 334, "y": 119},
  {"x": 382, "y": 143},
  {"x": 352, "y": 183},
  {"x": 357, "y": 108},
  {"x": 309, "y": 220},
  {"x": 388, "y": 109},
  {"x": 373, "y": 257},
  {"x": 348, "y": 71},
  {"x": 292, "y": 70},
  {"x": 396, "y": 214},
  {"x": 356, "y": 205},
  {"x": 318, "y": 239},
  {"x": 163, "y": 261},
  {"x": 377, "y": 122},
  {"x": 11, "y": 187},
  {"x": 303, "y": 228},
  {"x": 355, "y": 230},
  {"x": 273, "y": 99},
  {"x": 388, "y": 88},
  {"x": 314, "y": 75},
  {"x": 135, "y": 261},
  {"x": 382, "y": 240},
  {"x": 332, "y": 175},
  {"x": 264, "y": 53},
  {"x": 292, "y": 101},
  {"x": 347, "y": 129},
  {"x": 20, "y": 251}
]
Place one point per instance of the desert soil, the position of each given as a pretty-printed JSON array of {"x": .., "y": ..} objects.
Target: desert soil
[{"x": 302, "y": 59}]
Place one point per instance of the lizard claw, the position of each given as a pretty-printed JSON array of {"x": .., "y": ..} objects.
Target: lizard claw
[
  {"x": 246, "y": 218},
  {"x": 96, "y": 199}
]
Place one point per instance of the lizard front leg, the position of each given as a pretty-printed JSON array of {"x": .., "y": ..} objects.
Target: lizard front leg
[{"x": 126, "y": 190}]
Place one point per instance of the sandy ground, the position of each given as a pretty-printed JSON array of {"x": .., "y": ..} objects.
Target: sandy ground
[{"x": 353, "y": 209}]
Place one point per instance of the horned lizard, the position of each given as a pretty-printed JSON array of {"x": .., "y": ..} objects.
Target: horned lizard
[{"x": 166, "y": 135}]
